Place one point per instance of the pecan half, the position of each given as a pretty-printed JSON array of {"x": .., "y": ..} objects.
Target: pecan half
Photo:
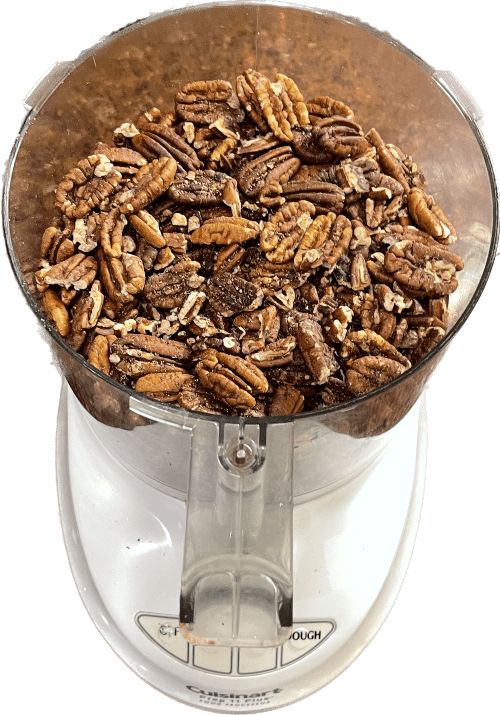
[
  {"x": 314, "y": 350},
  {"x": 199, "y": 188},
  {"x": 158, "y": 140},
  {"x": 87, "y": 186},
  {"x": 232, "y": 379},
  {"x": 204, "y": 102},
  {"x": 230, "y": 294},
  {"x": 275, "y": 166},
  {"x": 283, "y": 232},
  {"x": 170, "y": 288},
  {"x": 310, "y": 251},
  {"x": 150, "y": 182},
  {"x": 76, "y": 272},
  {"x": 429, "y": 217},
  {"x": 225, "y": 230},
  {"x": 274, "y": 354},
  {"x": 287, "y": 400},
  {"x": 423, "y": 269}
]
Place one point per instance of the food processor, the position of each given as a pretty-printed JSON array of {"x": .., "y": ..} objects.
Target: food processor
[{"x": 327, "y": 503}]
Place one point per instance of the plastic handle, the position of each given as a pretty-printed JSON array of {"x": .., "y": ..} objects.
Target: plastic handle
[{"x": 236, "y": 587}]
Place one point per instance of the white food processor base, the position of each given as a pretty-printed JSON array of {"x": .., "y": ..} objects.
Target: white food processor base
[{"x": 125, "y": 538}]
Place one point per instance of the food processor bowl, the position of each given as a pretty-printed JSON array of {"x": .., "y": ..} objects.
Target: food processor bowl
[{"x": 239, "y": 479}]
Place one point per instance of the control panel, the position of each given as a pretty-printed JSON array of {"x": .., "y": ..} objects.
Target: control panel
[{"x": 164, "y": 631}]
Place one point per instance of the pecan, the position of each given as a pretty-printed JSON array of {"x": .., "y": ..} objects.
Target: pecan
[
  {"x": 163, "y": 385},
  {"x": 283, "y": 232},
  {"x": 150, "y": 182},
  {"x": 276, "y": 107},
  {"x": 310, "y": 251},
  {"x": 125, "y": 160},
  {"x": 274, "y": 354},
  {"x": 170, "y": 288},
  {"x": 360, "y": 278},
  {"x": 338, "y": 241},
  {"x": 330, "y": 138},
  {"x": 136, "y": 354},
  {"x": 56, "y": 312},
  {"x": 422, "y": 269},
  {"x": 204, "y": 102},
  {"x": 429, "y": 217},
  {"x": 314, "y": 350},
  {"x": 158, "y": 140},
  {"x": 287, "y": 400},
  {"x": 324, "y": 106},
  {"x": 98, "y": 354},
  {"x": 231, "y": 378},
  {"x": 111, "y": 232},
  {"x": 85, "y": 314},
  {"x": 57, "y": 245},
  {"x": 322, "y": 194},
  {"x": 369, "y": 372},
  {"x": 225, "y": 230},
  {"x": 199, "y": 188},
  {"x": 147, "y": 227},
  {"x": 230, "y": 294},
  {"x": 276, "y": 165},
  {"x": 368, "y": 342},
  {"x": 260, "y": 322},
  {"x": 75, "y": 272},
  {"x": 337, "y": 324},
  {"x": 87, "y": 186},
  {"x": 389, "y": 161},
  {"x": 229, "y": 258}
]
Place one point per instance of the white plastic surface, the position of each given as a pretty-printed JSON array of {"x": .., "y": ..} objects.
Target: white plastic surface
[{"x": 125, "y": 541}]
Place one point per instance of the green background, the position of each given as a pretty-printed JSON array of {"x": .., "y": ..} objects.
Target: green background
[{"x": 438, "y": 650}]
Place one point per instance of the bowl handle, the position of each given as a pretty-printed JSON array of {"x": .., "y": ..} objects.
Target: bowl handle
[{"x": 236, "y": 587}]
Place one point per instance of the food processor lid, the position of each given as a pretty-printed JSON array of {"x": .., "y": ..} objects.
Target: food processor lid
[{"x": 451, "y": 93}]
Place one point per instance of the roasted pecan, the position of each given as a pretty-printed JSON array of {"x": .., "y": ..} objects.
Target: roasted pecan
[
  {"x": 338, "y": 241},
  {"x": 422, "y": 269},
  {"x": 276, "y": 107},
  {"x": 136, "y": 354},
  {"x": 232, "y": 379},
  {"x": 225, "y": 231},
  {"x": 369, "y": 372},
  {"x": 125, "y": 160},
  {"x": 337, "y": 324},
  {"x": 360, "y": 277},
  {"x": 147, "y": 227},
  {"x": 76, "y": 272},
  {"x": 204, "y": 102},
  {"x": 328, "y": 139},
  {"x": 85, "y": 314},
  {"x": 229, "y": 258},
  {"x": 163, "y": 386},
  {"x": 199, "y": 188},
  {"x": 230, "y": 294},
  {"x": 323, "y": 195},
  {"x": 56, "y": 312},
  {"x": 283, "y": 232},
  {"x": 367, "y": 342},
  {"x": 324, "y": 106},
  {"x": 274, "y": 354},
  {"x": 158, "y": 140},
  {"x": 98, "y": 354},
  {"x": 316, "y": 354},
  {"x": 87, "y": 186},
  {"x": 310, "y": 251},
  {"x": 429, "y": 217},
  {"x": 275, "y": 166},
  {"x": 150, "y": 182},
  {"x": 287, "y": 400},
  {"x": 170, "y": 288}
]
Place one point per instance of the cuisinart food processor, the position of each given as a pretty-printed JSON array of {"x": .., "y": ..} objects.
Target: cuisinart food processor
[{"x": 244, "y": 563}]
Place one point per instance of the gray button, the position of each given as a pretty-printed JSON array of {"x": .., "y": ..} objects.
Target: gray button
[
  {"x": 257, "y": 660},
  {"x": 305, "y": 637},
  {"x": 217, "y": 659},
  {"x": 166, "y": 633}
]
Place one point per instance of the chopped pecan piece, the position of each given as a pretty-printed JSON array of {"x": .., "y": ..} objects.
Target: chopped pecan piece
[{"x": 232, "y": 379}]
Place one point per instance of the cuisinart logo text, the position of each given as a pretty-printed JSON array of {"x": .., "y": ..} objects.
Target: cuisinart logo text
[{"x": 233, "y": 700}]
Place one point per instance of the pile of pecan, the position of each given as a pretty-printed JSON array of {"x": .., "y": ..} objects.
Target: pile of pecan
[{"x": 248, "y": 253}]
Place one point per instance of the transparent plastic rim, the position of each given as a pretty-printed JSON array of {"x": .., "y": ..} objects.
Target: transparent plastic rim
[{"x": 345, "y": 406}]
